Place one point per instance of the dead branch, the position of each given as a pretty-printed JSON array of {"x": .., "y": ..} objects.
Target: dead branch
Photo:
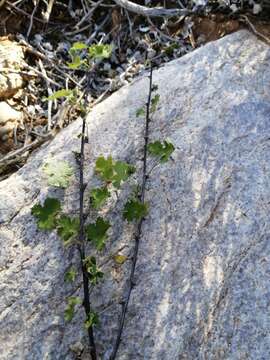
[
  {"x": 245, "y": 19},
  {"x": 49, "y": 10},
  {"x": 151, "y": 12}
]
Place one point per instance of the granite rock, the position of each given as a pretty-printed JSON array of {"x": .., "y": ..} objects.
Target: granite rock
[{"x": 203, "y": 271}]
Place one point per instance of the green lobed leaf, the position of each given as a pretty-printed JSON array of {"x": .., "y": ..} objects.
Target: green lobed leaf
[
  {"x": 58, "y": 173},
  {"x": 140, "y": 112},
  {"x": 114, "y": 172},
  {"x": 154, "y": 103},
  {"x": 78, "y": 46},
  {"x": 71, "y": 274},
  {"x": 60, "y": 93},
  {"x": 147, "y": 62},
  {"x": 94, "y": 273},
  {"x": 100, "y": 51},
  {"x": 76, "y": 63},
  {"x": 134, "y": 210},
  {"x": 169, "y": 50},
  {"x": 98, "y": 196},
  {"x": 122, "y": 172},
  {"x": 46, "y": 214},
  {"x": 162, "y": 150},
  {"x": 104, "y": 168},
  {"x": 92, "y": 320},
  {"x": 70, "y": 308},
  {"x": 67, "y": 228},
  {"x": 97, "y": 232}
]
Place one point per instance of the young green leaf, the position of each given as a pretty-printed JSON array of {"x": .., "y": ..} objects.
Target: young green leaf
[
  {"x": 76, "y": 63},
  {"x": 147, "y": 62},
  {"x": 46, "y": 214},
  {"x": 97, "y": 232},
  {"x": 58, "y": 173},
  {"x": 100, "y": 51},
  {"x": 134, "y": 210},
  {"x": 67, "y": 228},
  {"x": 169, "y": 50},
  {"x": 122, "y": 171},
  {"x": 154, "y": 103},
  {"x": 140, "y": 112},
  {"x": 104, "y": 168},
  {"x": 71, "y": 274},
  {"x": 94, "y": 273},
  {"x": 60, "y": 94},
  {"x": 114, "y": 172},
  {"x": 98, "y": 196},
  {"x": 92, "y": 320},
  {"x": 162, "y": 151},
  {"x": 70, "y": 308},
  {"x": 77, "y": 46}
]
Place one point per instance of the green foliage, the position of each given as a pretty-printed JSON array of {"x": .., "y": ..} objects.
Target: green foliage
[
  {"x": 70, "y": 308},
  {"x": 147, "y": 62},
  {"x": 75, "y": 53},
  {"x": 134, "y": 210},
  {"x": 140, "y": 112},
  {"x": 77, "y": 46},
  {"x": 111, "y": 172},
  {"x": 114, "y": 172},
  {"x": 99, "y": 196},
  {"x": 154, "y": 103},
  {"x": 60, "y": 94},
  {"x": 81, "y": 59},
  {"x": 162, "y": 151},
  {"x": 92, "y": 320},
  {"x": 71, "y": 274},
  {"x": 58, "y": 173},
  {"x": 122, "y": 172},
  {"x": 169, "y": 50},
  {"x": 97, "y": 232},
  {"x": 46, "y": 214},
  {"x": 68, "y": 228},
  {"x": 94, "y": 273},
  {"x": 76, "y": 63},
  {"x": 104, "y": 168},
  {"x": 100, "y": 51}
]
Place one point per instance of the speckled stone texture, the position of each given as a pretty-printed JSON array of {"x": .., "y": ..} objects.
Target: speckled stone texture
[{"x": 203, "y": 275}]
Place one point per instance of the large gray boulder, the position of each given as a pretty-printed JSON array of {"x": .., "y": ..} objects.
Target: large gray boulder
[{"x": 203, "y": 275}]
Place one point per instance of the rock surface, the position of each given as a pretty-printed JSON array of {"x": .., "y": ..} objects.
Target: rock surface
[
  {"x": 11, "y": 60},
  {"x": 9, "y": 119},
  {"x": 203, "y": 273},
  {"x": 11, "y": 81}
]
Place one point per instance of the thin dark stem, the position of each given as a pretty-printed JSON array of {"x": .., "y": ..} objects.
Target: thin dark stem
[
  {"x": 131, "y": 282},
  {"x": 81, "y": 249}
]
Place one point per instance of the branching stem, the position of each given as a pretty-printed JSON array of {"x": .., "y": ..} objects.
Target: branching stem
[
  {"x": 81, "y": 248},
  {"x": 138, "y": 230}
]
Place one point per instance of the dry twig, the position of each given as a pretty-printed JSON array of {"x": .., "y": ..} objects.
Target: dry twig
[
  {"x": 14, "y": 154},
  {"x": 245, "y": 19},
  {"x": 151, "y": 12}
]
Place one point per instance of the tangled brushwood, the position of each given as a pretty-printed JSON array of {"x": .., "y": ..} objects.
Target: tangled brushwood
[{"x": 43, "y": 35}]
